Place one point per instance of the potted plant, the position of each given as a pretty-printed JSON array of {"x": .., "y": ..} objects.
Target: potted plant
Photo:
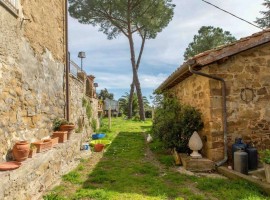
[
  {"x": 63, "y": 125},
  {"x": 33, "y": 151},
  {"x": 265, "y": 159}
]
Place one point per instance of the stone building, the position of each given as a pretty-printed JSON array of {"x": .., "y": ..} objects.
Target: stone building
[
  {"x": 245, "y": 68},
  {"x": 33, "y": 77},
  {"x": 32, "y": 69}
]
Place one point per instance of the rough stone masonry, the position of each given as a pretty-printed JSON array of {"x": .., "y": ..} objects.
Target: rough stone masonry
[{"x": 32, "y": 88}]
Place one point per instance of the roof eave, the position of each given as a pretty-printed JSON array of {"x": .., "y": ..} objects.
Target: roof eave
[
  {"x": 182, "y": 72},
  {"x": 175, "y": 75}
]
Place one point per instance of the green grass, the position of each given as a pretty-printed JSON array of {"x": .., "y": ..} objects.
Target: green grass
[
  {"x": 73, "y": 177},
  {"x": 127, "y": 171}
]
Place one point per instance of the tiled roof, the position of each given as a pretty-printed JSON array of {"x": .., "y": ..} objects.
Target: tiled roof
[{"x": 214, "y": 55}]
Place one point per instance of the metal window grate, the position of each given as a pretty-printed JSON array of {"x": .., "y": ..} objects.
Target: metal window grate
[
  {"x": 13, "y": 3},
  {"x": 74, "y": 69}
]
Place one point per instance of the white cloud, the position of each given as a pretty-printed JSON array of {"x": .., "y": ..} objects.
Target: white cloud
[
  {"x": 152, "y": 81},
  {"x": 123, "y": 81}
]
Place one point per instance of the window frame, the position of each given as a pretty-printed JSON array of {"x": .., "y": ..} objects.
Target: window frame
[{"x": 11, "y": 6}]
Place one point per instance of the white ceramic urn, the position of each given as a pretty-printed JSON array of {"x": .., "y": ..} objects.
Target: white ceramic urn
[{"x": 195, "y": 144}]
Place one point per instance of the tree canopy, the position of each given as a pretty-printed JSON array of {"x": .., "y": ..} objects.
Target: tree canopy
[
  {"x": 105, "y": 94},
  {"x": 115, "y": 17},
  {"x": 124, "y": 101},
  {"x": 264, "y": 22},
  {"x": 208, "y": 38},
  {"x": 121, "y": 16}
]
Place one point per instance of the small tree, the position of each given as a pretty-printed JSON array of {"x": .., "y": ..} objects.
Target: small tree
[
  {"x": 174, "y": 123},
  {"x": 208, "y": 38},
  {"x": 264, "y": 22},
  {"x": 105, "y": 94},
  {"x": 124, "y": 103}
]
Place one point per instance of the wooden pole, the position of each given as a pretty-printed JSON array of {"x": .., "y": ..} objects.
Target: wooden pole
[
  {"x": 153, "y": 113},
  {"x": 109, "y": 116}
]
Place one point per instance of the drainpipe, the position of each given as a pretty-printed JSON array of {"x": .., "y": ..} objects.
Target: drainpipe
[
  {"x": 224, "y": 113},
  {"x": 67, "y": 60}
]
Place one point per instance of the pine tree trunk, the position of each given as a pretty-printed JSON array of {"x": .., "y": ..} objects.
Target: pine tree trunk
[
  {"x": 131, "y": 93},
  {"x": 136, "y": 78},
  {"x": 139, "y": 94}
]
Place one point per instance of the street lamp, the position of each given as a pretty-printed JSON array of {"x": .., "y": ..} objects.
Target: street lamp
[{"x": 81, "y": 55}]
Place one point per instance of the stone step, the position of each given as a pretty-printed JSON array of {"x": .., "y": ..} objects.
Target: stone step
[{"x": 196, "y": 164}]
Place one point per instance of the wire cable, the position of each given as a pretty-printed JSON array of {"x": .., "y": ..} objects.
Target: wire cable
[{"x": 232, "y": 14}]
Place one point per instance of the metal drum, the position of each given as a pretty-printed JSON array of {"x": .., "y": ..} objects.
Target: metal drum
[
  {"x": 241, "y": 162},
  {"x": 252, "y": 158},
  {"x": 239, "y": 144}
]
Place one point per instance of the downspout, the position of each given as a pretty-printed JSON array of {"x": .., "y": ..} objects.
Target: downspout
[
  {"x": 224, "y": 113},
  {"x": 67, "y": 61}
]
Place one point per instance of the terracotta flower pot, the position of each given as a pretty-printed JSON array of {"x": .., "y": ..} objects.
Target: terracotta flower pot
[
  {"x": 43, "y": 145},
  {"x": 68, "y": 128},
  {"x": 62, "y": 135},
  {"x": 21, "y": 150},
  {"x": 98, "y": 147},
  {"x": 54, "y": 140}
]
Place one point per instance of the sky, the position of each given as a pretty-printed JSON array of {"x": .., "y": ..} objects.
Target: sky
[{"x": 109, "y": 60}]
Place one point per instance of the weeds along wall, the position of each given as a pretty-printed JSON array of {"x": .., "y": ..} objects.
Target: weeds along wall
[{"x": 83, "y": 109}]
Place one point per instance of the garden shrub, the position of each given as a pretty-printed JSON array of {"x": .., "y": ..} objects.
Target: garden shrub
[
  {"x": 148, "y": 113},
  {"x": 174, "y": 122}
]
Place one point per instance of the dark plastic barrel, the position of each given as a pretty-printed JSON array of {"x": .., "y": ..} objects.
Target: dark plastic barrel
[
  {"x": 252, "y": 158},
  {"x": 241, "y": 162}
]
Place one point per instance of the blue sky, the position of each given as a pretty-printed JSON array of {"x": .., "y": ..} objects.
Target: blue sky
[{"x": 109, "y": 60}]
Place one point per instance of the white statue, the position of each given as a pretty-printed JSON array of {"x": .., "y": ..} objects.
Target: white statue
[
  {"x": 195, "y": 144},
  {"x": 149, "y": 138}
]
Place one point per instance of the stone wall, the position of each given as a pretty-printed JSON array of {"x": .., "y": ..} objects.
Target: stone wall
[
  {"x": 78, "y": 113},
  {"x": 9, "y": 36},
  {"x": 37, "y": 174},
  {"x": 32, "y": 82},
  {"x": 247, "y": 76},
  {"x": 31, "y": 97},
  {"x": 46, "y": 28},
  {"x": 32, "y": 88},
  {"x": 195, "y": 91}
]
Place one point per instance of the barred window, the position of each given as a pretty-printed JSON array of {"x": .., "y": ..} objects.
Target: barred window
[{"x": 11, "y": 5}]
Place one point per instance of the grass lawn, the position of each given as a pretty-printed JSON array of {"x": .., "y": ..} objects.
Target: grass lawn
[{"x": 131, "y": 169}]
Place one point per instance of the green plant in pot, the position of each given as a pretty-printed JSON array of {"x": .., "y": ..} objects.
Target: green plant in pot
[
  {"x": 60, "y": 124},
  {"x": 265, "y": 159}
]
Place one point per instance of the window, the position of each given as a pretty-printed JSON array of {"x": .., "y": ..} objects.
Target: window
[{"x": 11, "y": 5}]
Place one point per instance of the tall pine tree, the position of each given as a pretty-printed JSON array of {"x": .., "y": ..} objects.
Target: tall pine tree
[
  {"x": 264, "y": 22},
  {"x": 208, "y": 37},
  {"x": 128, "y": 17}
]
